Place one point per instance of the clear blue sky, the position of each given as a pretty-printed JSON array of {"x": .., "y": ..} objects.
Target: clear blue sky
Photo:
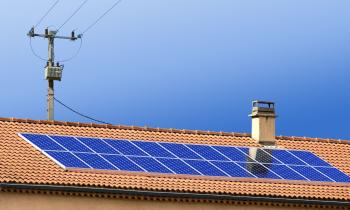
[{"x": 193, "y": 64}]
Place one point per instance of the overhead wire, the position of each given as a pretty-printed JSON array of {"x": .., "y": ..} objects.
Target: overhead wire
[
  {"x": 87, "y": 29},
  {"x": 33, "y": 51},
  {"x": 98, "y": 19},
  {"x": 36, "y": 25},
  {"x": 75, "y": 55},
  {"x": 48, "y": 11},
  {"x": 80, "y": 114},
  {"x": 75, "y": 12}
]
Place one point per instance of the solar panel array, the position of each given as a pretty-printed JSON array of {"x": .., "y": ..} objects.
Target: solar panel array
[{"x": 188, "y": 159}]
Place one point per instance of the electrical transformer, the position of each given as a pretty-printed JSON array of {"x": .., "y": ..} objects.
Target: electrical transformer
[{"x": 53, "y": 72}]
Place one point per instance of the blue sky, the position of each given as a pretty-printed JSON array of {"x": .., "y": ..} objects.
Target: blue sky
[{"x": 193, "y": 64}]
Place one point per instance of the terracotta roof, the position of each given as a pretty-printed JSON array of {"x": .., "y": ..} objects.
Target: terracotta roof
[{"x": 22, "y": 163}]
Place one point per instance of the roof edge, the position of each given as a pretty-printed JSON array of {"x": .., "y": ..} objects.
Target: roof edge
[
  {"x": 205, "y": 196},
  {"x": 167, "y": 130}
]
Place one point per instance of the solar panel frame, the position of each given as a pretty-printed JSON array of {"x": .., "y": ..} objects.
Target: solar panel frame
[
  {"x": 183, "y": 152},
  {"x": 153, "y": 149},
  {"x": 57, "y": 147},
  {"x": 244, "y": 151},
  {"x": 179, "y": 166},
  {"x": 98, "y": 162},
  {"x": 141, "y": 161},
  {"x": 306, "y": 170},
  {"x": 210, "y": 154},
  {"x": 202, "y": 166},
  {"x": 128, "y": 145},
  {"x": 302, "y": 156},
  {"x": 60, "y": 163},
  {"x": 88, "y": 142},
  {"x": 113, "y": 160},
  {"x": 70, "y": 143}
]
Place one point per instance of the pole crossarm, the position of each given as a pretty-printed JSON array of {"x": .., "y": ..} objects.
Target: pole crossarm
[{"x": 53, "y": 35}]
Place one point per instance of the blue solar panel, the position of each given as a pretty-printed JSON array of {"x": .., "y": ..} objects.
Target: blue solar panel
[
  {"x": 125, "y": 147},
  {"x": 205, "y": 168},
  {"x": 122, "y": 163},
  {"x": 150, "y": 164},
  {"x": 233, "y": 153},
  {"x": 98, "y": 146},
  {"x": 43, "y": 142},
  {"x": 259, "y": 170},
  {"x": 180, "y": 151},
  {"x": 309, "y": 158},
  {"x": 334, "y": 174},
  {"x": 232, "y": 169},
  {"x": 95, "y": 161},
  {"x": 265, "y": 156},
  {"x": 285, "y": 172},
  {"x": 311, "y": 173},
  {"x": 178, "y": 166},
  {"x": 207, "y": 152},
  {"x": 67, "y": 159},
  {"x": 285, "y": 157},
  {"x": 153, "y": 149},
  {"x": 187, "y": 159},
  {"x": 71, "y": 144}
]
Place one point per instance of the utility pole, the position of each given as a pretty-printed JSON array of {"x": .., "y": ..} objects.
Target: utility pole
[{"x": 52, "y": 72}]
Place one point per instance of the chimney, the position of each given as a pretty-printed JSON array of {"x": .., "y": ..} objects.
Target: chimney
[{"x": 263, "y": 122}]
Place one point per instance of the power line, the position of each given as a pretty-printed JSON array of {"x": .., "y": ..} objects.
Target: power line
[
  {"x": 48, "y": 11},
  {"x": 75, "y": 12},
  {"x": 75, "y": 55},
  {"x": 34, "y": 53},
  {"x": 98, "y": 19},
  {"x": 80, "y": 114}
]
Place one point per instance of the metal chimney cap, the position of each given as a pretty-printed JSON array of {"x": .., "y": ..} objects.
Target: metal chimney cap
[
  {"x": 263, "y": 109},
  {"x": 270, "y": 104}
]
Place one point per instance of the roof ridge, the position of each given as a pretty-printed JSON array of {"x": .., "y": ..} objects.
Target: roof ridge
[{"x": 167, "y": 130}]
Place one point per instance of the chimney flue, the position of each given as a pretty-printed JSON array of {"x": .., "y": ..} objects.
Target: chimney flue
[{"x": 263, "y": 122}]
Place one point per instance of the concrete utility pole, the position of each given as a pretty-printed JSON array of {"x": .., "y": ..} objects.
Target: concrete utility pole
[{"x": 52, "y": 72}]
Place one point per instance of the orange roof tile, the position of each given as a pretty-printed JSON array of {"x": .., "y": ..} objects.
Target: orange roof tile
[{"x": 22, "y": 163}]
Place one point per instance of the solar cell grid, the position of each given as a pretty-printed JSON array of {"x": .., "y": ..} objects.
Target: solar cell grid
[
  {"x": 95, "y": 161},
  {"x": 125, "y": 147},
  {"x": 206, "y": 152},
  {"x": 67, "y": 159},
  {"x": 259, "y": 170},
  {"x": 265, "y": 156},
  {"x": 122, "y": 163},
  {"x": 191, "y": 159},
  {"x": 334, "y": 174},
  {"x": 311, "y": 173},
  {"x": 70, "y": 143},
  {"x": 150, "y": 164},
  {"x": 178, "y": 166},
  {"x": 153, "y": 149},
  {"x": 205, "y": 167},
  {"x": 309, "y": 158},
  {"x": 232, "y": 169},
  {"x": 285, "y": 157},
  {"x": 43, "y": 142},
  {"x": 181, "y": 151},
  {"x": 233, "y": 154},
  {"x": 98, "y": 146},
  {"x": 285, "y": 172}
]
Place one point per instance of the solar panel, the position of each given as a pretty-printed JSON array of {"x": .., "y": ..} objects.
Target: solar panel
[
  {"x": 98, "y": 146},
  {"x": 187, "y": 159},
  {"x": 181, "y": 151},
  {"x": 151, "y": 165}
]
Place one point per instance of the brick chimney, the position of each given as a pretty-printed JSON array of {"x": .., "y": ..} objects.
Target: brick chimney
[{"x": 263, "y": 122}]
